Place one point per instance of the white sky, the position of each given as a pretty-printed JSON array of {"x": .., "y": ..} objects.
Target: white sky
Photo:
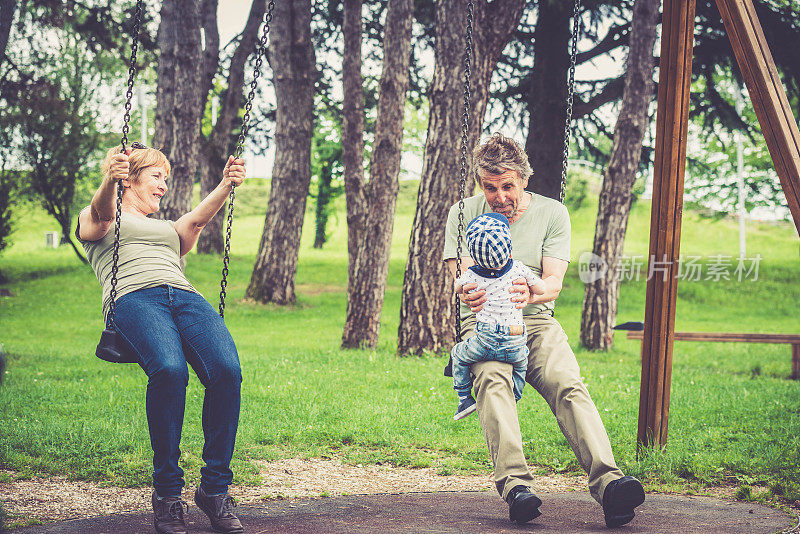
[{"x": 231, "y": 16}]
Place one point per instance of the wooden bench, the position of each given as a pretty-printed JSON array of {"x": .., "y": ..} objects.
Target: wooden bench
[{"x": 731, "y": 337}]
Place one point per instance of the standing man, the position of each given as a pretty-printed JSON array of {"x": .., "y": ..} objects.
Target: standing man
[{"x": 540, "y": 236}]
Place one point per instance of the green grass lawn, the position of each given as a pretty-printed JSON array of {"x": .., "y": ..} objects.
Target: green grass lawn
[{"x": 734, "y": 415}]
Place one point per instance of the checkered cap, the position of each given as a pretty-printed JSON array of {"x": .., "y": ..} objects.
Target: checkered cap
[{"x": 489, "y": 240}]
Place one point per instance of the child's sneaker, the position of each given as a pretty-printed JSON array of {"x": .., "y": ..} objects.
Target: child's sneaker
[{"x": 466, "y": 405}]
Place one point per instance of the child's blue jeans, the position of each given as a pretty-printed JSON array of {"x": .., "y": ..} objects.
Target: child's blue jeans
[{"x": 491, "y": 342}]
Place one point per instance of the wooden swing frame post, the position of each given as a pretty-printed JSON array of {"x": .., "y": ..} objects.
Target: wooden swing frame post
[
  {"x": 674, "y": 79},
  {"x": 783, "y": 141}
]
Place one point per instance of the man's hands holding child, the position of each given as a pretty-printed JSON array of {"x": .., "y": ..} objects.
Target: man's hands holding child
[
  {"x": 472, "y": 298},
  {"x": 521, "y": 294}
]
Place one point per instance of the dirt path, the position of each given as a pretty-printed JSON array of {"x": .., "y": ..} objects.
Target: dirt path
[{"x": 58, "y": 499}]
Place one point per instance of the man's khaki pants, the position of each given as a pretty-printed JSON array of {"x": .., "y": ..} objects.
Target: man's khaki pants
[{"x": 553, "y": 371}]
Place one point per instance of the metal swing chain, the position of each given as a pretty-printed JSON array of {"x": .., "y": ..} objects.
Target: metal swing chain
[
  {"x": 570, "y": 94},
  {"x": 125, "y": 129},
  {"x": 260, "y": 52},
  {"x": 462, "y": 184}
]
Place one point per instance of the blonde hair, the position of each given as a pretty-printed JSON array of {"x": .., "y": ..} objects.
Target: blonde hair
[
  {"x": 498, "y": 155},
  {"x": 139, "y": 160}
]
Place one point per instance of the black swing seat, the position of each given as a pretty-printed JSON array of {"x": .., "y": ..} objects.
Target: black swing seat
[
  {"x": 448, "y": 369},
  {"x": 113, "y": 348}
]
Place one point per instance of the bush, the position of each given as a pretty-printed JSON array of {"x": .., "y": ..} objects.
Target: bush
[
  {"x": 7, "y": 182},
  {"x": 638, "y": 188},
  {"x": 576, "y": 190}
]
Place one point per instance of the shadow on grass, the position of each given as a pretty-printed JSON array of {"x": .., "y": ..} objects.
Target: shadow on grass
[{"x": 11, "y": 275}]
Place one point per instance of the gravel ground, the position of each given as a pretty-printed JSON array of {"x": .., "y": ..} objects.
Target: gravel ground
[{"x": 58, "y": 499}]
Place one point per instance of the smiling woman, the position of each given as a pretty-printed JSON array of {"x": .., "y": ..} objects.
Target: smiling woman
[
  {"x": 166, "y": 323},
  {"x": 146, "y": 192}
]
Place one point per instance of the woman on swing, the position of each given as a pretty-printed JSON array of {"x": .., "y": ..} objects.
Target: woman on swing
[{"x": 168, "y": 323}]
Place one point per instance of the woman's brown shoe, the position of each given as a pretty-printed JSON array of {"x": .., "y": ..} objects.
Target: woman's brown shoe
[
  {"x": 168, "y": 515},
  {"x": 219, "y": 509}
]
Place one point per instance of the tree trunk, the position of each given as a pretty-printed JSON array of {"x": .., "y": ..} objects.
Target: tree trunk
[
  {"x": 546, "y": 100},
  {"x": 211, "y": 156},
  {"x": 293, "y": 64},
  {"x": 365, "y": 294},
  {"x": 353, "y": 132},
  {"x": 75, "y": 249},
  {"x": 427, "y": 316},
  {"x": 322, "y": 207},
  {"x": 215, "y": 150},
  {"x": 178, "y": 101},
  {"x": 7, "y": 10},
  {"x": 66, "y": 236},
  {"x": 600, "y": 299},
  {"x": 208, "y": 20}
]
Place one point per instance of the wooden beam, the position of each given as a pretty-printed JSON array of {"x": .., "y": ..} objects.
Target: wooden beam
[
  {"x": 735, "y": 337},
  {"x": 675, "y": 73},
  {"x": 767, "y": 94},
  {"x": 732, "y": 337}
]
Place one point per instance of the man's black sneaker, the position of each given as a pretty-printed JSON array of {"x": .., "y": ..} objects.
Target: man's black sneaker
[
  {"x": 168, "y": 514},
  {"x": 620, "y": 497},
  {"x": 219, "y": 509},
  {"x": 522, "y": 504}
]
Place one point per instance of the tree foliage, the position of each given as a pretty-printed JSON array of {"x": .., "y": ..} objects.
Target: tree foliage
[
  {"x": 712, "y": 168},
  {"x": 713, "y": 112},
  {"x": 327, "y": 173},
  {"x": 59, "y": 54}
]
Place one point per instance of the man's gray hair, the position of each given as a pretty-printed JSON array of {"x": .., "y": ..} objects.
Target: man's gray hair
[{"x": 498, "y": 155}]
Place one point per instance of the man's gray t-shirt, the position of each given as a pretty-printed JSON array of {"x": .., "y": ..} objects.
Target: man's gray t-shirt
[
  {"x": 543, "y": 230},
  {"x": 149, "y": 256}
]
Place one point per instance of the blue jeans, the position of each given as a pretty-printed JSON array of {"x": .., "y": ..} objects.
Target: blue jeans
[
  {"x": 491, "y": 342},
  {"x": 168, "y": 327}
]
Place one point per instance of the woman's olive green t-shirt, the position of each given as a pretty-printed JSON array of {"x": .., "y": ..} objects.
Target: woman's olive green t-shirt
[{"x": 149, "y": 256}]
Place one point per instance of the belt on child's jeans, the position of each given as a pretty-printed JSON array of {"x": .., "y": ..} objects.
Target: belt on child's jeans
[{"x": 512, "y": 330}]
